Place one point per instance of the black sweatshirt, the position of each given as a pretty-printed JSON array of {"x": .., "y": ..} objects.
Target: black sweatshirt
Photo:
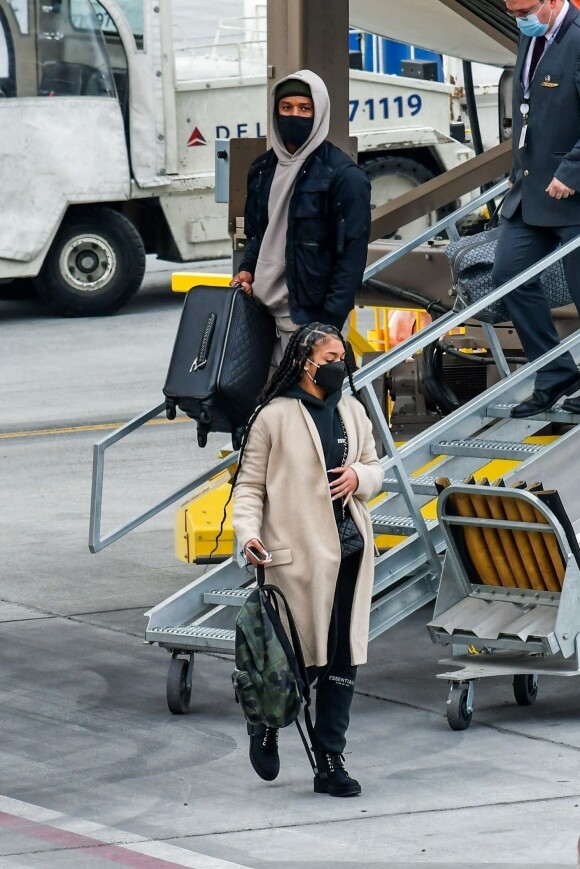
[{"x": 326, "y": 418}]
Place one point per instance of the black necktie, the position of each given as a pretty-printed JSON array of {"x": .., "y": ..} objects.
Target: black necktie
[{"x": 537, "y": 52}]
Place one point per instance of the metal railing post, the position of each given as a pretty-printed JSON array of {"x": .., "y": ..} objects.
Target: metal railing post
[
  {"x": 396, "y": 463},
  {"x": 98, "y": 542}
]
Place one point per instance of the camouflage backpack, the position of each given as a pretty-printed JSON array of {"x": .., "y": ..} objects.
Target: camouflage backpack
[{"x": 270, "y": 680}]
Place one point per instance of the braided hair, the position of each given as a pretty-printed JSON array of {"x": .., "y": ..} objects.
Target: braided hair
[
  {"x": 299, "y": 349},
  {"x": 300, "y": 346}
]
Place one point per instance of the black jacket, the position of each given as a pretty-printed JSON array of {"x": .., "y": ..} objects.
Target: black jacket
[
  {"x": 553, "y": 139},
  {"x": 328, "y": 232}
]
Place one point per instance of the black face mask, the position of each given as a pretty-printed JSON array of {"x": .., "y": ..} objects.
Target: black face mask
[
  {"x": 294, "y": 130},
  {"x": 330, "y": 376}
]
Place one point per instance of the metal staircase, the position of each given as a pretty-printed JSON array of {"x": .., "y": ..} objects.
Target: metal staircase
[{"x": 201, "y": 616}]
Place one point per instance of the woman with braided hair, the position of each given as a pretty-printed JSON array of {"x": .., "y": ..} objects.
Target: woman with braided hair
[{"x": 307, "y": 464}]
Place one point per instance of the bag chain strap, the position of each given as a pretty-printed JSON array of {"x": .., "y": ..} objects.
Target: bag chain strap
[{"x": 343, "y": 462}]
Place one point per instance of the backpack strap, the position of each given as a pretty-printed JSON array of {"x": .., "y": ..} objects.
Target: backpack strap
[
  {"x": 295, "y": 639},
  {"x": 310, "y": 730}
]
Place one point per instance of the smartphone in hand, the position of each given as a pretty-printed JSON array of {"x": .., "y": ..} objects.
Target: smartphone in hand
[{"x": 262, "y": 556}]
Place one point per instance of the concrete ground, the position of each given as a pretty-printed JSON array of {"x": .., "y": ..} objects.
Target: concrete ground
[{"x": 94, "y": 769}]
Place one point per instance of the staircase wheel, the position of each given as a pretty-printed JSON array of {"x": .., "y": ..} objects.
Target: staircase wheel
[
  {"x": 525, "y": 689},
  {"x": 178, "y": 689},
  {"x": 458, "y": 715}
]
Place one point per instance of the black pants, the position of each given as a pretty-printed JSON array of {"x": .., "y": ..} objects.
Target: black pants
[
  {"x": 520, "y": 246},
  {"x": 335, "y": 688}
]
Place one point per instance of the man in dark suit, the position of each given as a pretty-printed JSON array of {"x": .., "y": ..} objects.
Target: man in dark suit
[{"x": 541, "y": 210}]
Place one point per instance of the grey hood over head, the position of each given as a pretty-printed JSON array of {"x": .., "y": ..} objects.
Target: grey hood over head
[{"x": 270, "y": 274}]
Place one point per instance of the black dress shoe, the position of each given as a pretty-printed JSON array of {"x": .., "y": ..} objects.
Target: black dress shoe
[
  {"x": 541, "y": 400},
  {"x": 264, "y": 755},
  {"x": 572, "y": 405}
]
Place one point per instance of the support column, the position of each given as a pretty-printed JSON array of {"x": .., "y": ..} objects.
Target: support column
[{"x": 308, "y": 34}]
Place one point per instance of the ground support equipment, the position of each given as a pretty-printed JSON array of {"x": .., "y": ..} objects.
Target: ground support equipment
[{"x": 510, "y": 590}]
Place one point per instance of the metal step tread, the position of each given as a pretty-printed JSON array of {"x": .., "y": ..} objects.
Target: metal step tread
[
  {"x": 196, "y": 632},
  {"x": 384, "y": 523},
  {"x": 555, "y": 414},
  {"x": 227, "y": 596},
  {"x": 479, "y": 447},
  {"x": 422, "y": 484},
  {"x": 490, "y": 620}
]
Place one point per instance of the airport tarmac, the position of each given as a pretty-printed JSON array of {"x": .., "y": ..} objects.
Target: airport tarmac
[{"x": 97, "y": 772}]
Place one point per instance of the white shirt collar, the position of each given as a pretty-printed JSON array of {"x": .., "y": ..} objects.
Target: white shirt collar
[{"x": 552, "y": 34}]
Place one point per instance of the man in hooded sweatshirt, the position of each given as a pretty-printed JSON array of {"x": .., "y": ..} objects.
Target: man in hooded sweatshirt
[{"x": 307, "y": 216}]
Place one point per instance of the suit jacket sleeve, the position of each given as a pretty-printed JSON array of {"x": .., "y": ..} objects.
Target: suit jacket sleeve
[
  {"x": 368, "y": 469},
  {"x": 568, "y": 172},
  {"x": 352, "y": 205},
  {"x": 250, "y": 488}
]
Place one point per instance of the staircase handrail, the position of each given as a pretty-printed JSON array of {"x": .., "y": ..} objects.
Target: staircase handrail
[
  {"x": 447, "y": 224},
  {"x": 96, "y": 542},
  {"x": 448, "y": 321}
]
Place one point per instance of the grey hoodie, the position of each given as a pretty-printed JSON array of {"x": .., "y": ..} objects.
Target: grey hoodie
[{"x": 270, "y": 274}]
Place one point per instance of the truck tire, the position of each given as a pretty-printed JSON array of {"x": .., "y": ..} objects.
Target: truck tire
[
  {"x": 95, "y": 264},
  {"x": 391, "y": 176}
]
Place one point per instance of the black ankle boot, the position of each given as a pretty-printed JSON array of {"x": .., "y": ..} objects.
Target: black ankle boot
[
  {"x": 332, "y": 778},
  {"x": 264, "y": 751}
]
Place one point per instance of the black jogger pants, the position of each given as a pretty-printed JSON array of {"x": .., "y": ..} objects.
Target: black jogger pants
[{"x": 335, "y": 688}]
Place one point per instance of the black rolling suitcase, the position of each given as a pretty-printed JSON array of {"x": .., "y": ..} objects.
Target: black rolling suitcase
[{"x": 220, "y": 361}]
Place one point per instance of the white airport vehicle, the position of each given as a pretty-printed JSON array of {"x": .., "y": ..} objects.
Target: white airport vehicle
[{"x": 109, "y": 114}]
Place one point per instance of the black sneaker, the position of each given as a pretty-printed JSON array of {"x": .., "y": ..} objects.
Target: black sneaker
[
  {"x": 264, "y": 751},
  {"x": 332, "y": 778}
]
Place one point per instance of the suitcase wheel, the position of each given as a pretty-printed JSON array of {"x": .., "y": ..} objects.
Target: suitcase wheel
[
  {"x": 201, "y": 437},
  {"x": 170, "y": 409}
]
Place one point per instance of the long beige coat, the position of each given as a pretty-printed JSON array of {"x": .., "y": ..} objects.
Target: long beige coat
[{"x": 282, "y": 497}]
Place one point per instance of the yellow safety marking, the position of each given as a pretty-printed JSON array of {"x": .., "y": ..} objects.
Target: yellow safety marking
[
  {"x": 492, "y": 470},
  {"x": 70, "y": 429},
  {"x": 197, "y": 521},
  {"x": 183, "y": 282}
]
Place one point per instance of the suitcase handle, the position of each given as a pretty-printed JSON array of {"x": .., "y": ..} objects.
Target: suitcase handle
[{"x": 200, "y": 360}]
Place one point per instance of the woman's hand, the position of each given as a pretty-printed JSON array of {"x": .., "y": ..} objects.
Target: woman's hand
[
  {"x": 256, "y": 544},
  {"x": 345, "y": 485}
]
